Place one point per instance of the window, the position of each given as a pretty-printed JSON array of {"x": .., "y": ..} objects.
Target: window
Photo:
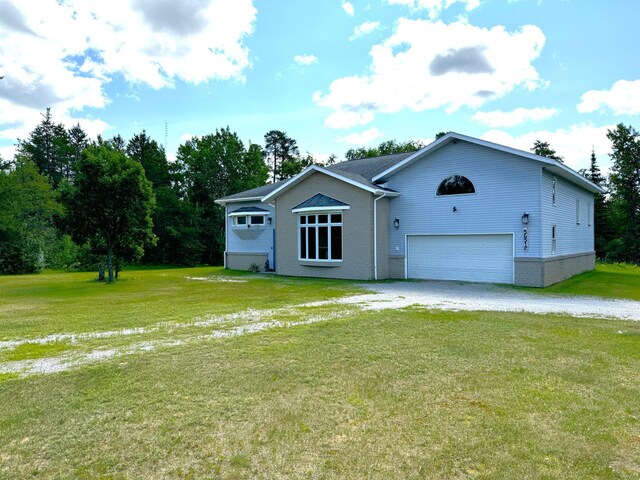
[
  {"x": 589, "y": 214},
  {"x": 248, "y": 220},
  {"x": 554, "y": 245},
  {"x": 455, "y": 185},
  {"x": 577, "y": 211},
  {"x": 320, "y": 236},
  {"x": 553, "y": 191}
]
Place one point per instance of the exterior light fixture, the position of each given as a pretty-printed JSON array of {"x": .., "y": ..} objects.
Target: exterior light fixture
[
  {"x": 525, "y": 218},
  {"x": 269, "y": 220},
  {"x": 455, "y": 209},
  {"x": 396, "y": 223}
]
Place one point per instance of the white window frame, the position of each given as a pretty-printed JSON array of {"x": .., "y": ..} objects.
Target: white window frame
[
  {"x": 589, "y": 209},
  {"x": 553, "y": 191},
  {"x": 329, "y": 224},
  {"x": 554, "y": 239},
  {"x": 248, "y": 220},
  {"x": 577, "y": 211}
]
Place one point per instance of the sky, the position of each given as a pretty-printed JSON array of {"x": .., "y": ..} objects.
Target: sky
[{"x": 332, "y": 74}]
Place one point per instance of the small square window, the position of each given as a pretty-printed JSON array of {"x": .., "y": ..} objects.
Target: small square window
[
  {"x": 323, "y": 218},
  {"x": 241, "y": 220},
  {"x": 336, "y": 218}
]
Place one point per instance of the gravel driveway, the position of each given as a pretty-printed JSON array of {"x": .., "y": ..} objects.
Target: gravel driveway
[{"x": 476, "y": 296}]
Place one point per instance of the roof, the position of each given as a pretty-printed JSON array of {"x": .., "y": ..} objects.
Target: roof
[
  {"x": 320, "y": 200},
  {"x": 249, "y": 210},
  {"x": 554, "y": 166},
  {"x": 370, "y": 173}
]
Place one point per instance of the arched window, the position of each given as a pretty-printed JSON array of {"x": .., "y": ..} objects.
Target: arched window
[{"x": 456, "y": 185}]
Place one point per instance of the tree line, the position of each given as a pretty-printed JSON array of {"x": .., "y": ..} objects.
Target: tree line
[{"x": 71, "y": 202}]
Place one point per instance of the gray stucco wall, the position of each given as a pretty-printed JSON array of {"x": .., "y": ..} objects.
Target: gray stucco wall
[
  {"x": 357, "y": 236},
  {"x": 542, "y": 272},
  {"x": 242, "y": 261}
]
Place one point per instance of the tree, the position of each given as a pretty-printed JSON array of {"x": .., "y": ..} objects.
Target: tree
[
  {"x": 603, "y": 231},
  {"x": 211, "y": 167},
  {"x": 110, "y": 204},
  {"x": 625, "y": 183},
  {"x": 388, "y": 147},
  {"x": 48, "y": 146},
  {"x": 440, "y": 135},
  {"x": 26, "y": 217},
  {"x": 281, "y": 151},
  {"x": 544, "y": 150},
  {"x": 78, "y": 141}
]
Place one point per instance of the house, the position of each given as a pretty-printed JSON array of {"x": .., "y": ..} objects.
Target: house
[{"x": 461, "y": 208}]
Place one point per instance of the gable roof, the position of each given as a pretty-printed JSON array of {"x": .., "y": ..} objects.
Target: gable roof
[
  {"x": 554, "y": 166},
  {"x": 320, "y": 200},
  {"x": 369, "y": 173},
  {"x": 250, "y": 209}
]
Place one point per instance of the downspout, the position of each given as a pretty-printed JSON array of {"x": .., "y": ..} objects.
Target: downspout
[
  {"x": 226, "y": 236},
  {"x": 375, "y": 236}
]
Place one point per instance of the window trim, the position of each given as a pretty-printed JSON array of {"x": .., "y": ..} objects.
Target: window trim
[
  {"x": 329, "y": 211},
  {"x": 553, "y": 191},
  {"x": 578, "y": 208},
  {"x": 475, "y": 190},
  {"x": 248, "y": 220},
  {"x": 589, "y": 209},
  {"x": 554, "y": 239}
]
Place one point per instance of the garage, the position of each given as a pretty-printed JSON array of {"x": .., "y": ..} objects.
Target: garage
[{"x": 471, "y": 258}]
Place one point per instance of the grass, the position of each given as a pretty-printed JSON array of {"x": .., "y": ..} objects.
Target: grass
[
  {"x": 607, "y": 280},
  {"x": 389, "y": 394}
]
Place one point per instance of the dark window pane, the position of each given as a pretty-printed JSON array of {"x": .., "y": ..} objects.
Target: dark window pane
[
  {"x": 303, "y": 219},
  {"x": 242, "y": 220},
  {"x": 257, "y": 220},
  {"x": 312, "y": 243},
  {"x": 312, "y": 219},
  {"x": 456, "y": 185},
  {"x": 336, "y": 218},
  {"x": 323, "y": 243},
  {"x": 303, "y": 243},
  {"x": 323, "y": 218},
  {"x": 336, "y": 243}
]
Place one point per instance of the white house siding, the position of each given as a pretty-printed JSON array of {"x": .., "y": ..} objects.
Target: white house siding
[
  {"x": 506, "y": 187},
  {"x": 252, "y": 240},
  {"x": 571, "y": 237}
]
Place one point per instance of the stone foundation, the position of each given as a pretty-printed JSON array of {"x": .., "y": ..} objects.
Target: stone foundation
[{"x": 242, "y": 261}]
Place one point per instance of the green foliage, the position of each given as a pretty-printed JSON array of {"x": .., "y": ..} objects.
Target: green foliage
[
  {"x": 625, "y": 184},
  {"x": 208, "y": 168},
  {"x": 282, "y": 154},
  {"x": 544, "y": 150},
  {"x": 388, "y": 147},
  {"x": 26, "y": 218},
  {"x": 110, "y": 204}
]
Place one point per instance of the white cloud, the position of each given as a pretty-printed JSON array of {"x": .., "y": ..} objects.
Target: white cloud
[
  {"x": 622, "y": 99},
  {"x": 305, "y": 59},
  {"x": 361, "y": 138},
  {"x": 343, "y": 120},
  {"x": 364, "y": 29},
  {"x": 497, "y": 118},
  {"x": 434, "y": 7},
  {"x": 466, "y": 66},
  {"x": 574, "y": 143},
  {"x": 348, "y": 7},
  {"x": 185, "y": 137},
  {"x": 63, "y": 53}
]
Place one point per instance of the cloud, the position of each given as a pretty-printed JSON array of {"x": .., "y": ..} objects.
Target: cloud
[
  {"x": 573, "y": 143},
  {"x": 64, "y": 53},
  {"x": 467, "y": 66},
  {"x": 622, "y": 99},
  {"x": 348, "y": 7},
  {"x": 305, "y": 59},
  {"x": 361, "y": 138},
  {"x": 364, "y": 29},
  {"x": 344, "y": 120},
  {"x": 497, "y": 118},
  {"x": 434, "y": 7}
]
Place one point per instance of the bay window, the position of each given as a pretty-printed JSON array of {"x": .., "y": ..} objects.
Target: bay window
[{"x": 320, "y": 236}]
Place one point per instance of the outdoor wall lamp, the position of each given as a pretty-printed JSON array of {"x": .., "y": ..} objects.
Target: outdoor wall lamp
[
  {"x": 455, "y": 209},
  {"x": 396, "y": 223},
  {"x": 525, "y": 218},
  {"x": 269, "y": 220}
]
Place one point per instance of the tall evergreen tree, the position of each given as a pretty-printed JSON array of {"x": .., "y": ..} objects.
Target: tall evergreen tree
[
  {"x": 625, "y": 183},
  {"x": 544, "y": 150},
  {"x": 78, "y": 141},
  {"x": 281, "y": 151},
  {"x": 603, "y": 232}
]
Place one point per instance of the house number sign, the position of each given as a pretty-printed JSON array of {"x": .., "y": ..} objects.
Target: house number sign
[{"x": 525, "y": 236}]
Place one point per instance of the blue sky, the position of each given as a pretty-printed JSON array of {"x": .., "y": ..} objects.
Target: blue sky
[{"x": 332, "y": 74}]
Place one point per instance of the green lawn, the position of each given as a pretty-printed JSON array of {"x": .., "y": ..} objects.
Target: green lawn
[
  {"x": 387, "y": 394},
  {"x": 607, "y": 280}
]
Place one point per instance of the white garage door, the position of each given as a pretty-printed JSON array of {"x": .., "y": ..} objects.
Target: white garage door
[{"x": 472, "y": 258}]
